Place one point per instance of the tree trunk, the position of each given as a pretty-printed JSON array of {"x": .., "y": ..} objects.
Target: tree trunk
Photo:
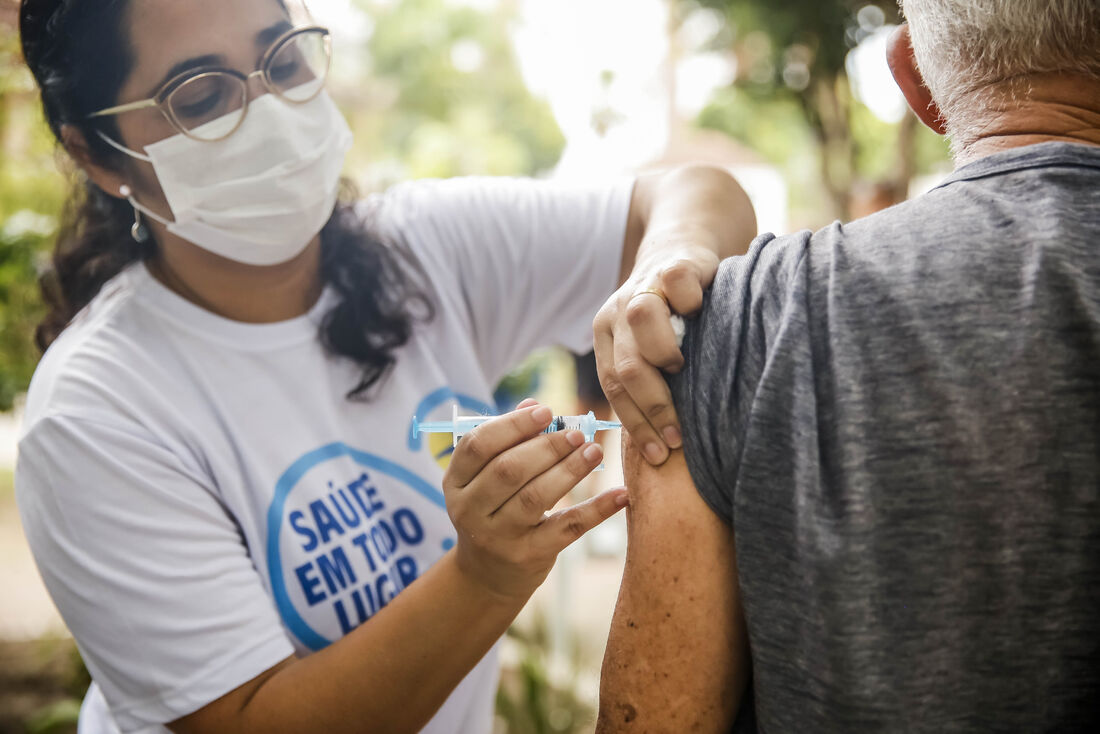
[{"x": 829, "y": 103}]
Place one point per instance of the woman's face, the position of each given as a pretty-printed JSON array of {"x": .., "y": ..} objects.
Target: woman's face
[{"x": 169, "y": 38}]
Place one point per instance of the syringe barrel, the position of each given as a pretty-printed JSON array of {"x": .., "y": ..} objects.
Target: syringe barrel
[{"x": 461, "y": 425}]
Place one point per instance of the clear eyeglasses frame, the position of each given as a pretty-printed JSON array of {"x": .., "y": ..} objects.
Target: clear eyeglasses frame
[{"x": 294, "y": 68}]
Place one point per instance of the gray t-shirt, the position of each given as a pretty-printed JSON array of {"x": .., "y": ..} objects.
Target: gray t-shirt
[{"x": 901, "y": 419}]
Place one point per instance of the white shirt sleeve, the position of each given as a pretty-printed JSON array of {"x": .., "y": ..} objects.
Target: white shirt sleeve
[
  {"x": 527, "y": 263},
  {"x": 147, "y": 567}
]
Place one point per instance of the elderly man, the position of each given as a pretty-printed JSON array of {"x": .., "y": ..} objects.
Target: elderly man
[{"x": 889, "y": 514}]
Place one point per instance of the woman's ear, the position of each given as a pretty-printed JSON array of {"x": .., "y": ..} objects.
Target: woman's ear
[
  {"x": 903, "y": 65},
  {"x": 108, "y": 179}
]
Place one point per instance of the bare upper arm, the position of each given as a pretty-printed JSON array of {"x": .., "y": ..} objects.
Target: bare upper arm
[
  {"x": 677, "y": 656},
  {"x": 219, "y": 715}
]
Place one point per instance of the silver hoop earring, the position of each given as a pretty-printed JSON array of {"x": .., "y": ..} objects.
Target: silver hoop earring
[{"x": 139, "y": 231}]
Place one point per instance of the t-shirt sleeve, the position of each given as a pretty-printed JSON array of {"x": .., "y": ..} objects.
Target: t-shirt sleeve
[
  {"x": 147, "y": 568},
  {"x": 727, "y": 349},
  {"x": 526, "y": 263}
]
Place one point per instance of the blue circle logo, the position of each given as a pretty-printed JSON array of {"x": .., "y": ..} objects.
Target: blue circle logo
[{"x": 356, "y": 537}]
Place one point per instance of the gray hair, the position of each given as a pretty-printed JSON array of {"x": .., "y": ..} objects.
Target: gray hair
[{"x": 972, "y": 51}]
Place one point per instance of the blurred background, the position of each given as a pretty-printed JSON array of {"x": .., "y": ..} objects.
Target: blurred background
[{"x": 793, "y": 96}]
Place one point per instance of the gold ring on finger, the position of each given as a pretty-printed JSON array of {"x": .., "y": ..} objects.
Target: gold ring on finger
[{"x": 651, "y": 291}]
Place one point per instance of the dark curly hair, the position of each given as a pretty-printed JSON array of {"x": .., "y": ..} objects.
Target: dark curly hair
[{"x": 80, "y": 54}]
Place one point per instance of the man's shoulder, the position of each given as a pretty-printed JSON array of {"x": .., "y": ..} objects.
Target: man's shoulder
[
  {"x": 771, "y": 263},
  {"x": 1030, "y": 195}
]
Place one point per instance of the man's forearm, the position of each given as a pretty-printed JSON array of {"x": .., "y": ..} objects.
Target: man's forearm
[{"x": 677, "y": 657}]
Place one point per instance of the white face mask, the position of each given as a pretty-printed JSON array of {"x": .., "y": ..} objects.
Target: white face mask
[{"x": 261, "y": 195}]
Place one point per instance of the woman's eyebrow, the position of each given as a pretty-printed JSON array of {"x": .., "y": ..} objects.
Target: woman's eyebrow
[
  {"x": 263, "y": 39},
  {"x": 186, "y": 65},
  {"x": 268, "y": 35}
]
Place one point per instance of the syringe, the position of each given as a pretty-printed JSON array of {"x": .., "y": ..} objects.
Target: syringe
[{"x": 461, "y": 425}]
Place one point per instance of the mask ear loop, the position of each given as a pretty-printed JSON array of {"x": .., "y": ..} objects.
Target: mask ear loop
[{"x": 123, "y": 148}]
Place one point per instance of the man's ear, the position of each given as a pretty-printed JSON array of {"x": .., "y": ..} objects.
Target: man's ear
[
  {"x": 108, "y": 179},
  {"x": 903, "y": 65}
]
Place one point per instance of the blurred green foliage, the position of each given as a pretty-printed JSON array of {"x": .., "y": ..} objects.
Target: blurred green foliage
[
  {"x": 56, "y": 718},
  {"x": 793, "y": 102},
  {"x": 31, "y": 194},
  {"x": 22, "y": 241},
  {"x": 778, "y": 130},
  {"x": 528, "y": 701},
  {"x": 828, "y": 29},
  {"x": 444, "y": 95},
  {"x": 41, "y": 684}
]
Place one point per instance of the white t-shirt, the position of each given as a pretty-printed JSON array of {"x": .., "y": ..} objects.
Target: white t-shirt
[{"x": 203, "y": 501}]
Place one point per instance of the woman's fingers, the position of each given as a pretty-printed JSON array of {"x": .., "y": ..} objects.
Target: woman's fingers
[
  {"x": 683, "y": 283},
  {"x": 508, "y": 473},
  {"x": 485, "y": 443},
  {"x": 560, "y": 529},
  {"x": 622, "y": 402},
  {"x": 529, "y": 505},
  {"x": 641, "y": 399},
  {"x": 648, "y": 316}
]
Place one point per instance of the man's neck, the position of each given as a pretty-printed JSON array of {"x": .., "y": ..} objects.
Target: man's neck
[{"x": 1045, "y": 108}]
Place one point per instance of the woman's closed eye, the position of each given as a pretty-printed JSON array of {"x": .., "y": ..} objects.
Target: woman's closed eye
[
  {"x": 202, "y": 99},
  {"x": 285, "y": 71}
]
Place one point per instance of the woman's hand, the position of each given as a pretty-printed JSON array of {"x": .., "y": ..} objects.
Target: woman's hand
[
  {"x": 634, "y": 337},
  {"x": 504, "y": 477},
  {"x": 681, "y": 225}
]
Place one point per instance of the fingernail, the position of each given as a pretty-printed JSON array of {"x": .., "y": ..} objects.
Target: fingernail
[
  {"x": 654, "y": 453},
  {"x": 622, "y": 500},
  {"x": 542, "y": 414},
  {"x": 672, "y": 437},
  {"x": 593, "y": 453},
  {"x": 575, "y": 438}
]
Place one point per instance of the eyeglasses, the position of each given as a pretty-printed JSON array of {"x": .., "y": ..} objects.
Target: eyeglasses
[{"x": 294, "y": 69}]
